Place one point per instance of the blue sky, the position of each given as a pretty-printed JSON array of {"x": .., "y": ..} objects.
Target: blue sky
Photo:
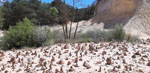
[{"x": 81, "y": 4}]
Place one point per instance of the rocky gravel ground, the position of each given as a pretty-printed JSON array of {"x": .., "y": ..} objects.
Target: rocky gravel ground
[{"x": 112, "y": 57}]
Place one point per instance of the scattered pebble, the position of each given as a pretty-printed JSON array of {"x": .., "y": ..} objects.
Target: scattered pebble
[{"x": 110, "y": 57}]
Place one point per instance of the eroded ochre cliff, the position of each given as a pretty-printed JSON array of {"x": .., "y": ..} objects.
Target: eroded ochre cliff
[
  {"x": 133, "y": 14},
  {"x": 112, "y": 12}
]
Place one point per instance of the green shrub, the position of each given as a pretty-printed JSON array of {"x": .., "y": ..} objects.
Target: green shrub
[
  {"x": 18, "y": 36},
  {"x": 25, "y": 34},
  {"x": 83, "y": 39},
  {"x": 130, "y": 38},
  {"x": 118, "y": 34},
  {"x": 42, "y": 36},
  {"x": 97, "y": 35},
  {"x": 58, "y": 37}
]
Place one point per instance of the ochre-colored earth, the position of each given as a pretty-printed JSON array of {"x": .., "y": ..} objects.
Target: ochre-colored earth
[{"x": 113, "y": 12}]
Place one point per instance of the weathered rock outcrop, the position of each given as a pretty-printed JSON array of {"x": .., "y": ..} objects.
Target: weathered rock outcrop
[
  {"x": 112, "y": 12},
  {"x": 133, "y": 14},
  {"x": 139, "y": 24}
]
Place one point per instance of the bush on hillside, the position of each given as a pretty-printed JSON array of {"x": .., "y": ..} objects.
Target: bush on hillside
[
  {"x": 82, "y": 39},
  {"x": 18, "y": 36},
  {"x": 43, "y": 36},
  {"x": 25, "y": 34},
  {"x": 130, "y": 38},
  {"x": 58, "y": 37},
  {"x": 97, "y": 35},
  {"x": 118, "y": 34}
]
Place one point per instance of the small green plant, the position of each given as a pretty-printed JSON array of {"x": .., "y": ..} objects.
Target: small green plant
[
  {"x": 18, "y": 36},
  {"x": 97, "y": 35},
  {"x": 58, "y": 37},
  {"x": 130, "y": 38},
  {"x": 41, "y": 36},
  {"x": 118, "y": 34},
  {"x": 83, "y": 39}
]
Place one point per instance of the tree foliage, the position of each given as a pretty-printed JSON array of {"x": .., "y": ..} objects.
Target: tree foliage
[
  {"x": 39, "y": 13},
  {"x": 1, "y": 18},
  {"x": 25, "y": 34},
  {"x": 53, "y": 11},
  {"x": 18, "y": 36}
]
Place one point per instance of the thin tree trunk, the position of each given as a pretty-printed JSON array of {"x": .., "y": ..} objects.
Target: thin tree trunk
[
  {"x": 72, "y": 20},
  {"x": 66, "y": 24},
  {"x": 76, "y": 29},
  {"x": 70, "y": 30},
  {"x": 64, "y": 33}
]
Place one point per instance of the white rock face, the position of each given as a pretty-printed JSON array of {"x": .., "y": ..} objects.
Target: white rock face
[{"x": 139, "y": 24}]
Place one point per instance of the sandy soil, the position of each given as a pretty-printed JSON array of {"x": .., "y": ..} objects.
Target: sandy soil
[
  {"x": 110, "y": 57},
  {"x": 82, "y": 28},
  {"x": 1, "y": 33}
]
